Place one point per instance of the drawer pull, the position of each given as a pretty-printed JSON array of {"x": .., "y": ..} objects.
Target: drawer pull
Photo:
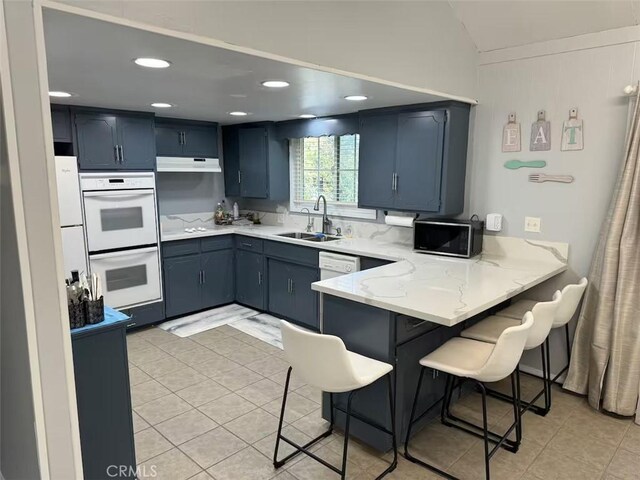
[{"x": 246, "y": 244}]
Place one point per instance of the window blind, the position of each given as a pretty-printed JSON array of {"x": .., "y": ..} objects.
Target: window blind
[{"x": 326, "y": 165}]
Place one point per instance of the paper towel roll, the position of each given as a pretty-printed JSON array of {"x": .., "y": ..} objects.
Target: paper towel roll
[{"x": 398, "y": 221}]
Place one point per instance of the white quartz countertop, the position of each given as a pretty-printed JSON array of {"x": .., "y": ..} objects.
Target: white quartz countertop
[{"x": 439, "y": 289}]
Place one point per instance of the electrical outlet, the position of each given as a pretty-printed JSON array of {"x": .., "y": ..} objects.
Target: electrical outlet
[
  {"x": 280, "y": 219},
  {"x": 532, "y": 224}
]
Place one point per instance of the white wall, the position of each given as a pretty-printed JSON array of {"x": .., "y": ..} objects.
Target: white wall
[
  {"x": 417, "y": 43},
  {"x": 591, "y": 80}
]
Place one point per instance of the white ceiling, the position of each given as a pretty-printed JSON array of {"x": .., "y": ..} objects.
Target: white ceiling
[
  {"x": 93, "y": 60},
  {"x": 494, "y": 25}
]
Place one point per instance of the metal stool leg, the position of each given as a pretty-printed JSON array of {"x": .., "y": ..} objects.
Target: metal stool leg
[
  {"x": 516, "y": 405},
  {"x": 394, "y": 440},
  {"x": 276, "y": 463},
  {"x": 343, "y": 473},
  {"x": 485, "y": 429}
]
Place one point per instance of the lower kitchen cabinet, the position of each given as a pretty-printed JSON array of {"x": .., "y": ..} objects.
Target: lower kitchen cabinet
[
  {"x": 250, "y": 279},
  {"x": 290, "y": 293},
  {"x": 217, "y": 278},
  {"x": 104, "y": 402},
  {"x": 198, "y": 274},
  {"x": 144, "y": 314},
  {"x": 182, "y": 284}
]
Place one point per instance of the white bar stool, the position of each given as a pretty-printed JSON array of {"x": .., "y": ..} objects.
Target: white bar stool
[
  {"x": 323, "y": 361},
  {"x": 481, "y": 362},
  {"x": 490, "y": 328},
  {"x": 571, "y": 296}
]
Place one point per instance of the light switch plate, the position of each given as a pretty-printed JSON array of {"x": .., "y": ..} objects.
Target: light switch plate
[{"x": 532, "y": 224}]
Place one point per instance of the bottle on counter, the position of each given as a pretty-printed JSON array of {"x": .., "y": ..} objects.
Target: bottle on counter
[
  {"x": 219, "y": 215},
  {"x": 236, "y": 211}
]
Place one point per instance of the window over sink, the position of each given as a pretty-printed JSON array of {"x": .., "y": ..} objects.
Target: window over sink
[{"x": 326, "y": 165}]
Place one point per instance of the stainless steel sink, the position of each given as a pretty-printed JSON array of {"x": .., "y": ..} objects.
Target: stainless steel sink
[
  {"x": 298, "y": 235},
  {"x": 310, "y": 237}
]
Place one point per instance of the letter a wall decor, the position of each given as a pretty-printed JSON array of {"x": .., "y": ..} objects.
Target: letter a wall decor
[
  {"x": 511, "y": 135},
  {"x": 540, "y": 134},
  {"x": 572, "y": 134}
]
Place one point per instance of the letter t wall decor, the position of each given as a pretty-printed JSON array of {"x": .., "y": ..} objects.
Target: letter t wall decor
[
  {"x": 540, "y": 134},
  {"x": 572, "y": 134}
]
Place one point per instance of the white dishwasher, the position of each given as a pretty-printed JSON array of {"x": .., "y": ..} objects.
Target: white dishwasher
[{"x": 334, "y": 265}]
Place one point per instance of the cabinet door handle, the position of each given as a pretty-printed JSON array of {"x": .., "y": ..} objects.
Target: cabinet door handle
[
  {"x": 121, "y": 155},
  {"x": 204, "y": 277},
  {"x": 293, "y": 286},
  {"x": 259, "y": 278},
  {"x": 397, "y": 177},
  {"x": 116, "y": 154},
  {"x": 239, "y": 176},
  {"x": 184, "y": 138},
  {"x": 200, "y": 277},
  {"x": 247, "y": 244},
  {"x": 393, "y": 182},
  {"x": 288, "y": 285}
]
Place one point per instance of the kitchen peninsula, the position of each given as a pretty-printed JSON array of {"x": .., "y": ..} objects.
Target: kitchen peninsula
[{"x": 400, "y": 312}]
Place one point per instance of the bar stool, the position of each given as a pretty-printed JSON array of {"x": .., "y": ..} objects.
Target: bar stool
[
  {"x": 571, "y": 296},
  {"x": 468, "y": 359},
  {"x": 490, "y": 328},
  {"x": 323, "y": 361}
]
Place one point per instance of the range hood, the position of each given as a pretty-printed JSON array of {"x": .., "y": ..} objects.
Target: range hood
[{"x": 188, "y": 164}]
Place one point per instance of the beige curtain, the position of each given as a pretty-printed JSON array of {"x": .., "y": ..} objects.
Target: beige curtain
[{"x": 605, "y": 361}]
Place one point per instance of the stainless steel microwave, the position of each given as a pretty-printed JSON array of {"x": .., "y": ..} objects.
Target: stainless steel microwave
[{"x": 454, "y": 238}]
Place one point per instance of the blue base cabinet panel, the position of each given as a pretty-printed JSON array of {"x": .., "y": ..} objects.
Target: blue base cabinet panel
[
  {"x": 414, "y": 158},
  {"x": 144, "y": 315},
  {"x": 289, "y": 292},
  {"x": 395, "y": 339},
  {"x": 104, "y": 403},
  {"x": 198, "y": 274},
  {"x": 218, "y": 278},
  {"x": 250, "y": 280}
]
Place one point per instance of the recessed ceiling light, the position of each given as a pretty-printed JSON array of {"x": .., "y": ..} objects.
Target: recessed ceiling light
[
  {"x": 356, "y": 98},
  {"x": 275, "y": 84},
  {"x": 238, "y": 114},
  {"x": 307, "y": 115},
  {"x": 58, "y": 94},
  {"x": 161, "y": 105},
  {"x": 152, "y": 62}
]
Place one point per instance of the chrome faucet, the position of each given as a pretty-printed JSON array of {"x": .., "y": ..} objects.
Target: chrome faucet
[
  {"x": 310, "y": 224},
  {"x": 326, "y": 223}
]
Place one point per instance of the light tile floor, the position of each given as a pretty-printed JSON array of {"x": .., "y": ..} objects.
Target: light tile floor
[{"x": 207, "y": 406}]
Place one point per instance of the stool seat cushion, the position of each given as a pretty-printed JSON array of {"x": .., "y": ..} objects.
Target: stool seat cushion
[
  {"x": 367, "y": 370},
  {"x": 489, "y": 329},
  {"x": 459, "y": 356},
  {"x": 518, "y": 309}
]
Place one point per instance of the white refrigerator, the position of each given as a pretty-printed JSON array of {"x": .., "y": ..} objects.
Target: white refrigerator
[{"x": 71, "y": 219}]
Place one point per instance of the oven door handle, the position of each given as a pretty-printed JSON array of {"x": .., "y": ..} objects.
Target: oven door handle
[
  {"x": 124, "y": 253},
  {"x": 118, "y": 193}
]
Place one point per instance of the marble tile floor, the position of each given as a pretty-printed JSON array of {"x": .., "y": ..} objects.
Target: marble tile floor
[
  {"x": 206, "y": 407},
  {"x": 259, "y": 325}
]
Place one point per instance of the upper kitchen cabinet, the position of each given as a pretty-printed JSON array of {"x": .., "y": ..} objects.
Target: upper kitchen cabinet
[
  {"x": 414, "y": 159},
  {"x": 256, "y": 162},
  {"x": 61, "y": 123},
  {"x": 115, "y": 140},
  {"x": 179, "y": 138}
]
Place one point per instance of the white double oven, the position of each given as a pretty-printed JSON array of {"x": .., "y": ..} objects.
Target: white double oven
[{"x": 121, "y": 225}]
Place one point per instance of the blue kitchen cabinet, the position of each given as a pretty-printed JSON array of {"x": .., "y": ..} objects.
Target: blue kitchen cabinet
[
  {"x": 144, "y": 315},
  {"x": 218, "y": 278},
  {"x": 180, "y": 138},
  {"x": 115, "y": 140},
  {"x": 252, "y": 150},
  {"x": 376, "y": 167},
  {"x": 137, "y": 142},
  {"x": 290, "y": 294},
  {"x": 414, "y": 158},
  {"x": 198, "y": 274},
  {"x": 61, "y": 124},
  {"x": 256, "y": 162},
  {"x": 182, "y": 282},
  {"x": 419, "y": 160},
  {"x": 250, "y": 279},
  {"x": 97, "y": 135}
]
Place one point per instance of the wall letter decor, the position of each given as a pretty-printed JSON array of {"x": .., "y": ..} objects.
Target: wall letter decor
[
  {"x": 511, "y": 135},
  {"x": 572, "y": 135},
  {"x": 540, "y": 134}
]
